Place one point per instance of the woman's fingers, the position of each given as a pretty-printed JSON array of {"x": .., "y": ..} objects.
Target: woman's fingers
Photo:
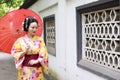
[{"x": 32, "y": 62}]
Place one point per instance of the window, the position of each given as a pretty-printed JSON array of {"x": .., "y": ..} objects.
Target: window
[
  {"x": 98, "y": 30},
  {"x": 101, "y": 30},
  {"x": 49, "y": 33}
]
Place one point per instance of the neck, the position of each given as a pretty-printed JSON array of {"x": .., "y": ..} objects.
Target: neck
[{"x": 30, "y": 36}]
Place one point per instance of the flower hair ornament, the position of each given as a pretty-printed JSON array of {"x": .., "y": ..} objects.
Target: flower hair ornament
[{"x": 26, "y": 23}]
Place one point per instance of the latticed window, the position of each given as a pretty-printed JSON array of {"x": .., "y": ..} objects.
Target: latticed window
[
  {"x": 101, "y": 37},
  {"x": 50, "y": 34}
]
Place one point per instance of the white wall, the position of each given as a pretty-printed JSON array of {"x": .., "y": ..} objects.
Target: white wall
[{"x": 64, "y": 64}]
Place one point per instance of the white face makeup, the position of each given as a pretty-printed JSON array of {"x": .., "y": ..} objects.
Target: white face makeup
[{"x": 33, "y": 28}]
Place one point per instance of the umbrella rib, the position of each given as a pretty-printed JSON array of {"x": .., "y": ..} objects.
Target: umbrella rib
[
  {"x": 4, "y": 34},
  {"x": 8, "y": 46},
  {"x": 5, "y": 40},
  {"x": 5, "y": 37}
]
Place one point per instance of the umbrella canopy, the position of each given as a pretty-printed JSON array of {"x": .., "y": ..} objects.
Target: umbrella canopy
[{"x": 11, "y": 27}]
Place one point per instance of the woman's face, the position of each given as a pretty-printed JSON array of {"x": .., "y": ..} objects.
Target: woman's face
[{"x": 32, "y": 28}]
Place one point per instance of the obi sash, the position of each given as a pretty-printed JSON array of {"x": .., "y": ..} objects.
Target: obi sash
[{"x": 31, "y": 57}]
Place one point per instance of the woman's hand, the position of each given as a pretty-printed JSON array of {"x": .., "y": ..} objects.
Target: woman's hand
[
  {"x": 26, "y": 50},
  {"x": 32, "y": 62}
]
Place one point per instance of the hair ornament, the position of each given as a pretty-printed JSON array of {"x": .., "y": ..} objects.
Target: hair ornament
[
  {"x": 26, "y": 22},
  {"x": 34, "y": 17}
]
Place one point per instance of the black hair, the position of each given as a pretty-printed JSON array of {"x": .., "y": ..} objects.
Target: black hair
[{"x": 28, "y": 20}]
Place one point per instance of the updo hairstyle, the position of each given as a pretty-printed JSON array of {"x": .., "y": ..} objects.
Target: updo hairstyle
[{"x": 28, "y": 20}]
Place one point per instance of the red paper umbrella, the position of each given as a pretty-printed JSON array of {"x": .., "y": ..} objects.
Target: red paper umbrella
[{"x": 11, "y": 27}]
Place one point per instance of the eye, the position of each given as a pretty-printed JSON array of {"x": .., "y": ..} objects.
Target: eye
[{"x": 34, "y": 27}]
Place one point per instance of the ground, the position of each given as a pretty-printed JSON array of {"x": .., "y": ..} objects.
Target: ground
[
  {"x": 7, "y": 67},
  {"x": 8, "y": 70}
]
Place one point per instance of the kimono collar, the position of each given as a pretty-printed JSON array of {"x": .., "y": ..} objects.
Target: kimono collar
[{"x": 33, "y": 38}]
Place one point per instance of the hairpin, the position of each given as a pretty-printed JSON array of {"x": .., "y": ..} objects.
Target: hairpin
[{"x": 26, "y": 22}]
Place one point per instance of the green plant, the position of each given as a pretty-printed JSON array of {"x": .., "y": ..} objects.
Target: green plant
[{"x": 9, "y": 5}]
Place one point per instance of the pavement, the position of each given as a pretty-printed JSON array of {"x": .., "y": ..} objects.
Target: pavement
[
  {"x": 7, "y": 67},
  {"x": 8, "y": 70}
]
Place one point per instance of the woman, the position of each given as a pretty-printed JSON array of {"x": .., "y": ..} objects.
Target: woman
[{"x": 30, "y": 53}]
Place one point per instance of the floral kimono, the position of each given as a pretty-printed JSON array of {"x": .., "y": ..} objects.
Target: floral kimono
[{"x": 37, "y": 48}]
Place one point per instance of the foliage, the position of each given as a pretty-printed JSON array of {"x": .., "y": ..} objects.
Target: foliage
[{"x": 9, "y": 5}]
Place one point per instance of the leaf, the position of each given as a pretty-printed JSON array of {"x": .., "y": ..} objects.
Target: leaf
[{"x": 8, "y": 5}]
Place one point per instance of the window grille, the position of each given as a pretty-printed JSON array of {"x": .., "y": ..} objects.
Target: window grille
[
  {"x": 101, "y": 37},
  {"x": 50, "y": 34}
]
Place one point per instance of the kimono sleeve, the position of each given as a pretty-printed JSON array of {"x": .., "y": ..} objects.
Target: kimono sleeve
[
  {"x": 17, "y": 53},
  {"x": 43, "y": 56}
]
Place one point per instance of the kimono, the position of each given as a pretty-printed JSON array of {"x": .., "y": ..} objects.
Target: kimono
[{"x": 37, "y": 47}]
